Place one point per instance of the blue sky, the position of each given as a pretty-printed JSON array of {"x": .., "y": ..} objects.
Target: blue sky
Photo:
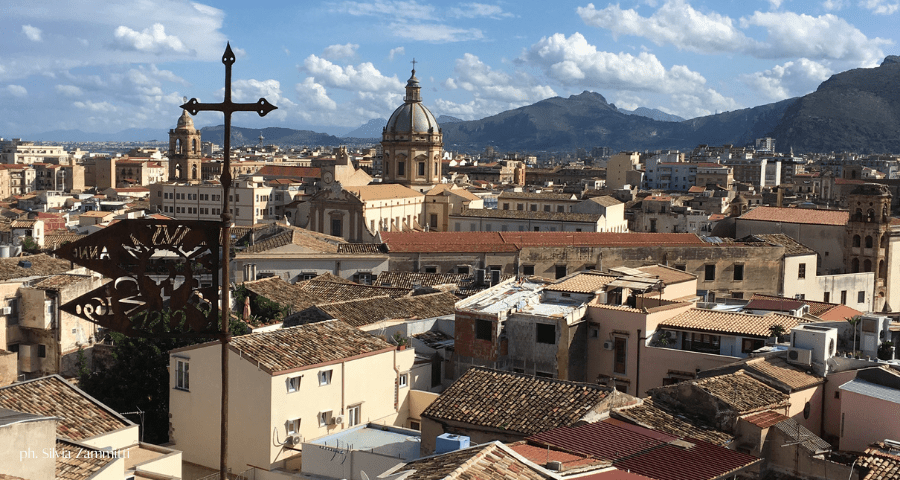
[{"x": 333, "y": 65}]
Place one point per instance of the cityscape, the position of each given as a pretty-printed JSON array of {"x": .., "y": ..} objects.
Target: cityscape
[{"x": 550, "y": 286}]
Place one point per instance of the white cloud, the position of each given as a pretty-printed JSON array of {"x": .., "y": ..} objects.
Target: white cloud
[
  {"x": 153, "y": 40},
  {"x": 788, "y": 80},
  {"x": 775, "y": 4},
  {"x": 69, "y": 90},
  {"x": 834, "y": 5},
  {"x": 435, "y": 32},
  {"x": 675, "y": 23},
  {"x": 826, "y": 37},
  {"x": 389, "y": 9},
  {"x": 475, "y": 76},
  {"x": 33, "y": 33},
  {"x": 396, "y": 51},
  {"x": 252, "y": 90},
  {"x": 15, "y": 91},
  {"x": 880, "y": 7},
  {"x": 101, "y": 107},
  {"x": 340, "y": 51},
  {"x": 363, "y": 77},
  {"x": 475, "y": 10}
]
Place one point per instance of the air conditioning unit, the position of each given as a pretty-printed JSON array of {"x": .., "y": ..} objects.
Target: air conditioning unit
[
  {"x": 800, "y": 356},
  {"x": 671, "y": 334},
  {"x": 295, "y": 440},
  {"x": 5, "y": 310},
  {"x": 608, "y": 345},
  {"x": 337, "y": 420}
]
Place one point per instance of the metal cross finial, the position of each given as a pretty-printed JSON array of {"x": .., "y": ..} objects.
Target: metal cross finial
[
  {"x": 414, "y": 65},
  {"x": 227, "y": 107}
]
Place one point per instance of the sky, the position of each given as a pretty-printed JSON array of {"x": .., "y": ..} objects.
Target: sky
[{"x": 331, "y": 66}]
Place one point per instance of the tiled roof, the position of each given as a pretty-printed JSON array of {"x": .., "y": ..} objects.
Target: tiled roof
[
  {"x": 647, "y": 452},
  {"x": 435, "y": 339},
  {"x": 657, "y": 416},
  {"x": 492, "y": 461},
  {"x": 668, "y": 275},
  {"x": 773, "y": 370},
  {"x": 536, "y": 196},
  {"x": 283, "y": 293},
  {"x": 412, "y": 279},
  {"x": 774, "y": 304},
  {"x": 530, "y": 215},
  {"x": 543, "y": 455},
  {"x": 729, "y": 323},
  {"x": 384, "y": 191},
  {"x": 338, "y": 291},
  {"x": 365, "y": 311},
  {"x": 825, "y": 311},
  {"x": 41, "y": 265},
  {"x": 356, "y": 248},
  {"x": 791, "y": 246},
  {"x": 22, "y": 223},
  {"x": 514, "y": 402},
  {"x": 80, "y": 417},
  {"x": 410, "y": 242},
  {"x": 765, "y": 419},
  {"x": 303, "y": 346},
  {"x": 55, "y": 240},
  {"x": 605, "y": 201},
  {"x": 798, "y": 215},
  {"x": 800, "y": 434},
  {"x": 880, "y": 463},
  {"x": 57, "y": 282},
  {"x": 300, "y": 237},
  {"x": 78, "y": 462},
  {"x": 289, "y": 171},
  {"x": 742, "y": 392},
  {"x": 581, "y": 282}
]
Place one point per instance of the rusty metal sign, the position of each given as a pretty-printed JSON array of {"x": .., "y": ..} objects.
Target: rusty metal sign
[{"x": 165, "y": 277}]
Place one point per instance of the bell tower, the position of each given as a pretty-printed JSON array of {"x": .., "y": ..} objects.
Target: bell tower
[
  {"x": 184, "y": 151},
  {"x": 867, "y": 244}
]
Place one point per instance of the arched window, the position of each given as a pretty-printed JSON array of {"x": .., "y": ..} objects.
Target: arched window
[
  {"x": 856, "y": 240},
  {"x": 870, "y": 215},
  {"x": 858, "y": 215},
  {"x": 194, "y": 146},
  {"x": 867, "y": 265},
  {"x": 854, "y": 265},
  {"x": 883, "y": 243},
  {"x": 882, "y": 269},
  {"x": 868, "y": 241},
  {"x": 193, "y": 172},
  {"x": 178, "y": 171}
]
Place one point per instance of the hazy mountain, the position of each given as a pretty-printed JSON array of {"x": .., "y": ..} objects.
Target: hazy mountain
[
  {"x": 372, "y": 129},
  {"x": 272, "y": 136},
  {"x": 448, "y": 119},
  {"x": 654, "y": 114},
  {"x": 129, "y": 135},
  {"x": 857, "y": 110}
]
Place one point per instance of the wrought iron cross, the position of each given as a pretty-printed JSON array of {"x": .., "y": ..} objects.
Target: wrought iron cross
[
  {"x": 227, "y": 107},
  {"x": 414, "y": 64}
]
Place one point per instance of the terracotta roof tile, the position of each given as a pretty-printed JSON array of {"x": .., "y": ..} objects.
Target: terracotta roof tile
[
  {"x": 41, "y": 265},
  {"x": 492, "y": 461},
  {"x": 303, "y": 346},
  {"x": 366, "y": 311},
  {"x": 531, "y": 215},
  {"x": 773, "y": 370},
  {"x": 284, "y": 293},
  {"x": 78, "y": 462},
  {"x": 729, "y": 322},
  {"x": 647, "y": 452},
  {"x": 881, "y": 463},
  {"x": 289, "y": 171},
  {"x": 543, "y": 455},
  {"x": 825, "y": 311},
  {"x": 742, "y": 392},
  {"x": 791, "y": 246},
  {"x": 798, "y": 215},
  {"x": 517, "y": 403},
  {"x": 339, "y": 291},
  {"x": 80, "y": 417},
  {"x": 657, "y": 416},
  {"x": 765, "y": 419},
  {"x": 410, "y": 242},
  {"x": 308, "y": 239},
  {"x": 581, "y": 282}
]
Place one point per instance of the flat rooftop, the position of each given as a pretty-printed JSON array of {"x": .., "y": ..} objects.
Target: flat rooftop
[
  {"x": 392, "y": 441},
  {"x": 499, "y": 300}
]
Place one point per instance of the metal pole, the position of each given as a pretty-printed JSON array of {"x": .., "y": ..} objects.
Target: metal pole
[{"x": 227, "y": 220}]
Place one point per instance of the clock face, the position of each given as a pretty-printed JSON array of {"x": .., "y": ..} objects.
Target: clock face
[{"x": 327, "y": 177}]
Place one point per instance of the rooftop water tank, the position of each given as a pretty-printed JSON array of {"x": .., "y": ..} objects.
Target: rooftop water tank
[{"x": 449, "y": 442}]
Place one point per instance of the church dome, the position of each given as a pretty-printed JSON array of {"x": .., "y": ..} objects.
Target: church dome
[
  {"x": 185, "y": 122},
  {"x": 412, "y": 116}
]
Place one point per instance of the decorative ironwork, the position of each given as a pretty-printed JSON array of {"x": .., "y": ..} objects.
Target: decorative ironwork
[{"x": 165, "y": 277}]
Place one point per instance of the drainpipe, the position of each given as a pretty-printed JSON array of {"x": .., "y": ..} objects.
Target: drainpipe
[
  {"x": 396, "y": 384},
  {"x": 343, "y": 383}
]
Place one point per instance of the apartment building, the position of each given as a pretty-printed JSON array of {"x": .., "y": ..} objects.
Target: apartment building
[{"x": 252, "y": 201}]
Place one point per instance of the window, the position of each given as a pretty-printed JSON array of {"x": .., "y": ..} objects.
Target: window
[
  {"x": 861, "y": 296},
  {"x": 293, "y": 426},
  {"x": 462, "y": 269},
  {"x": 560, "y": 271},
  {"x": 325, "y": 377},
  {"x": 520, "y": 206},
  {"x": 506, "y": 205},
  {"x": 827, "y": 298},
  {"x": 415, "y": 425},
  {"x": 546, "y": 208},
  {"x": 545, "y": 333},
  {"x": 483, "y": 330},
  {"x": 528, "y": 270},
  {"x": 401, "y": 168},
  {"x": 843, "y": 297},
  {"x": 750, "y": 344},
  {"x": 324, "y": 418},
  {"x": 293, "y": 384},
  {"x": 421, "y": 169},
  {"x": 404, "y": 380},
  {"x": 182, "y": 375},
  {"x": 431, "y": 269},
  {"x": 594, "y": 332},
  {"x": 737, "y": 295},
  {"x": 42, "y": 351},
  {"x": 681, "y": 267},
  {"x": 533, "y": 207},
  {"x": 801, "y": 271},
  {"x": 738, "y": 272},
  {"x": 709, "y": 273},
  {"x": 353, "y": 415},
  {"x": 619, "y": 354}
]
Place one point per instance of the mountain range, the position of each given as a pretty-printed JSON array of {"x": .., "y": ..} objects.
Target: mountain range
[{"x": 857, "y": 110}]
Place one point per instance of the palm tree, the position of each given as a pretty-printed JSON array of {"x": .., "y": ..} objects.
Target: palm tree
[
  {"x": 778, "y": 332},
  {"x": 854, "y": 321}
]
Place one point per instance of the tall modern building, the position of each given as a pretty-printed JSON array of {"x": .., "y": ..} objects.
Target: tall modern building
[{"x": 412, "y": 143}]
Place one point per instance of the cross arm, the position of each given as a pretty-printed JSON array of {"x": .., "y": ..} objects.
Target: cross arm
[{"x": 262, "y": 107}]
